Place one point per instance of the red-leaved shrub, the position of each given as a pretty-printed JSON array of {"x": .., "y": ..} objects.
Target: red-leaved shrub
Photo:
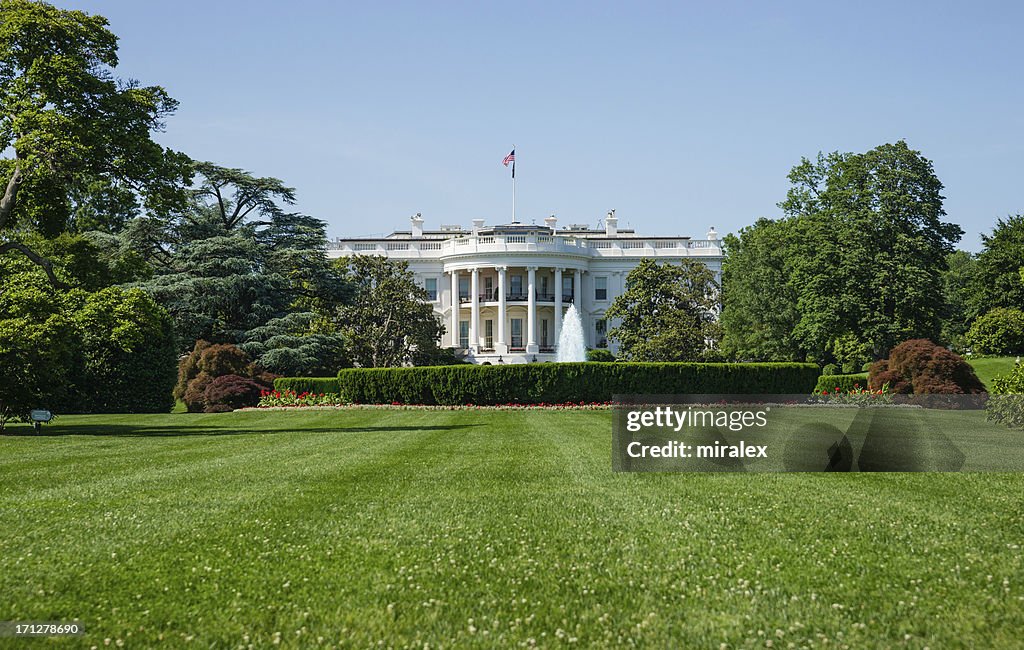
[
  {"x": 921, "y": 367},
  {"x": 229, "y": 392},
  {"x": 209, "y": 362}
]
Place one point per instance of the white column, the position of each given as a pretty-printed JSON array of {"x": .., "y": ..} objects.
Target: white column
[
  {"x": 455, "y": 309},
  {"x": 558, "y": 303},
  {"x": 531, "y": 311},
  {"x": 501, "y": 346},
  {"x": 474, "y": 311}
]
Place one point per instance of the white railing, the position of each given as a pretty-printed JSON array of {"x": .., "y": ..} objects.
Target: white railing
[{"x": 471, "y": 244}]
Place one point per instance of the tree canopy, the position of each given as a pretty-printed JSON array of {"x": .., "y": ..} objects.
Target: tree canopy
[
  {"x": 388, "y": 321},
  {"x": 76, "y": 141},
  {"x": 668, "y": 312},
  {"x": 862, "y": 251}
]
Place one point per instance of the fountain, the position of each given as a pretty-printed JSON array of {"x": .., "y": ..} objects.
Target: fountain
[{"x": 570, "y": 339}]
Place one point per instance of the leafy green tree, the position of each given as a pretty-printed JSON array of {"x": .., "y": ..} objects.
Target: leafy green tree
[
  {"x": 388, "y": 321},
  {"x": 668, "y": 312},
  {"x": 759, "y": 304},
  {"x": 38, "y": 345},
  {"x": 71, "y": 133},
  {"x": 876, "y": 247},
  {"x": 127, "y": 350},
  {"x": 79, "y": 351},
  {"x": 998, "y": 281},
  {"x": 1000, "y": 331},
  {"x": 960, "y": 298}
]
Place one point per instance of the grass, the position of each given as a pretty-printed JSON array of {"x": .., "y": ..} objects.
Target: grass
[
  {"x": 991, "y": 367},
  {"x": 484, "y": 529}
]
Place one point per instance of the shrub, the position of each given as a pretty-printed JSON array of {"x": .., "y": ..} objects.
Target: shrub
[
  {"x": 229, "y": 392},
  {"x": 921, "y": 367},
  {"x": 559, "y": 383},
  {"x": 195, "y": 394},
  {"x": 316, "y": 385},
  {"x": 845, "y": 383},
  {"x": 208, "y": 362},
  {"x": 831, "y": 369},
  {"x": 213, "y": 359},
  {"x": 1006, "y": 404},
  {"x": 867, "y": 366},
  {"x": 600, "y": 354},
  {"x": 127, "y": 354},
  {"x": 999, "y": 332}
]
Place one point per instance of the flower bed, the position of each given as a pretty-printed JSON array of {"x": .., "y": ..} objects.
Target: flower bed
[
  {"x": 856, "y": 396},
  {"x": 291, "y": 399},
  {"x": 288, "y": 399}
]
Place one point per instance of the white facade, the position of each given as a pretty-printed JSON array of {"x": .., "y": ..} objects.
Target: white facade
[{"x": 502, "y": 291}]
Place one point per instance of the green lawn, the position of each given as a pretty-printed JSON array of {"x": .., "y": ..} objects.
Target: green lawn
[
  {"x": 486, "y": 529},
  {"x": 987, "y": 369}
]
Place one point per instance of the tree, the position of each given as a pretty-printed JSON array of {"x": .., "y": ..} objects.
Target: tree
[
  {"x": 1000, "y": 331},
  {"x": 70, "y": 132},
  {"x": 296, "y": 345},
  {"x": 998, "y": 281},
  {"x": 668, "y": 312},
  {"x": 878, "y": 247},
  {"x": 79, "y": 351},
  {"x": 959, "y": 290},
  {"x": 37, "y": 346},
  {"x": 235, "y": 260},
  {"x": 759, "y": 305},
  {"x": 389, "y": 321},
  {"x": 128, "y": 353}
]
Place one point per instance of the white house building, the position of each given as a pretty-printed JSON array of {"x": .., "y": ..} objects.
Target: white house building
[{"x": 502, "y": 291}]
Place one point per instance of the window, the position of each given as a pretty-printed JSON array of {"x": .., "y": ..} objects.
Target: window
[
  {"x": 430, "y": 284},
  {"x": 463, "y": 287},
  {"x": 489, "y": 288},
  {"x": 600, "y": 288},
  {"x": 489, "y": 334},
  {"x": 517, "y": 332},
  {"x": 544, "y": 285},
  {"x": 567, "y": 288},
  {"x": 517, "y": 287},
  {"x": 463, "y": 333},
  {"x": 600, "y": 328},
  {"x": 544, "y": 333}
]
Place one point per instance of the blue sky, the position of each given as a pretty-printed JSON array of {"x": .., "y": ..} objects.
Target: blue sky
[{"x": 678, "y": 115}]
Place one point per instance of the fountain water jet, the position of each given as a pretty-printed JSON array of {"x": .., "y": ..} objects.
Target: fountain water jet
[{"x": 570, "y": 339}]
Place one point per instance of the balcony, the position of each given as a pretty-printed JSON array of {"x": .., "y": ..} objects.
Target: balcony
[{"x": 567, "y": 298}]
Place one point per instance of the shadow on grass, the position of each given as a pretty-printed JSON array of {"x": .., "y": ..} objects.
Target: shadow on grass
[{"x": 143, "y": 431}]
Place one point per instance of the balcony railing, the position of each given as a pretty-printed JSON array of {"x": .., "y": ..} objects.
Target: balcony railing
[
  {"x": 567, "y": 298},
  {"x": 578, "y": 246}
]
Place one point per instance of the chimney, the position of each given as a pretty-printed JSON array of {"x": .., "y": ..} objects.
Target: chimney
[
  {"x": 611, "y": 224},
  {"x": 712, "y": 234},
  {"x": 477, "y": 225},
  {"x": 551, "y": 222},
  {"x": 417, "y": 225}
]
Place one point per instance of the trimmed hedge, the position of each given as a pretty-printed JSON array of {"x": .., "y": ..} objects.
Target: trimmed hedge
[
  {"x": 557, "y": 383},
  {"x": 316, "y": 385},
  {"x": 844, "y": 383}
]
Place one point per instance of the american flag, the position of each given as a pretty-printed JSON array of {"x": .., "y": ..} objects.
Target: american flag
[{"x": 511, "y": 158}]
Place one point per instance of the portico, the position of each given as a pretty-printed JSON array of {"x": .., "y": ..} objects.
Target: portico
[{"x": 502, "y": 309}]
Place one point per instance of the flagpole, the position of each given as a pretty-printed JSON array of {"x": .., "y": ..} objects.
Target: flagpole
[{"x": 513, "y": 188}]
